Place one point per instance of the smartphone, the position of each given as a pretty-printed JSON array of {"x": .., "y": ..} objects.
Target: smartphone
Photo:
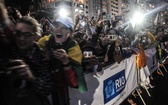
[
  {"x": 57, "y": 46},
  {"x": 113, "y": 37},
  {"x": 88, "y": 54}
]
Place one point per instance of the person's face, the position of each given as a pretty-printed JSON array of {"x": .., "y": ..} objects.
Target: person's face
[
  {"x": 61, "y": 32},
  {"x": 120, "y": 25},
  {"x": 9, "y": 9},
  {"x": 159, "y": 35},
  {"x": 24, "y": 36}
]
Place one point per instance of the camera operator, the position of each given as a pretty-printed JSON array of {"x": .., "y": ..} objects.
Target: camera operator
[
  {"x": 91, "y": 62},
  {"x": 65, "y": 56},
  {"x": 87, "y": 51}
]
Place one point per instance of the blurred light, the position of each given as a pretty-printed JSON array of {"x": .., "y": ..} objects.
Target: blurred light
[
  {"x": 63, "y": 12},
  {"x": 76, "y": 9},
  {"x": 83, "y": 24},
  {"x": 81, "y": 6},
  {"x": 150, "y": 5},
  {"x": 137, "y": 19},
  {"x": 80, "y": 11}
]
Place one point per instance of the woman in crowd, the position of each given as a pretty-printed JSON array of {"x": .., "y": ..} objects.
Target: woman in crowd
[{"x": 112, "y": 43}]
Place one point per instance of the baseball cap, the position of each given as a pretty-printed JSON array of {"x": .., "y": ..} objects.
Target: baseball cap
[{"x": 67, "y": 21}]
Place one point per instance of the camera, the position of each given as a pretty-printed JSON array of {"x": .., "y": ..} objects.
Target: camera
[
  {"x": 88, "y": 54},
  {"x": 57, "y": 46},
  {"x": 113, "y": 37}
]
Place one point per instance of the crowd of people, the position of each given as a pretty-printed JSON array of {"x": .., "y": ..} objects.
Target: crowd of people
[{"x": 40, "y": 59}]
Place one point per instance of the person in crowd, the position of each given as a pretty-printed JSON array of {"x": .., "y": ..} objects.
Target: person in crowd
[
  {"x": 159, "y": 44},
  {"x": 126, "y": 47},
  {"x": 45, "y": 26},
  {"x": 65, "y": 56},
  {"x": 88, "y": 55},
  {"x": 112, "y": 44},
  {"x": 13, "y": 13},
  {"x": 90, "y": 51},
  {"x": 99, "y": 51},
  {"x": 25, "y": 79},
  {"x": 160, "y": 39},
  {"x": 120, "y": 27}
]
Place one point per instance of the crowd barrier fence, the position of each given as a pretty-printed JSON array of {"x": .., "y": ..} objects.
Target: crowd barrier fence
[{"x": 116, "y": 82}]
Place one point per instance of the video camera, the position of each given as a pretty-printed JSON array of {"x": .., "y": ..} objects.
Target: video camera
[{"x": 57, "y": 46}]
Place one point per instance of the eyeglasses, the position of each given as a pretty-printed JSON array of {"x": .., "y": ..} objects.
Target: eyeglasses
[{"x": 25, "y": 34}]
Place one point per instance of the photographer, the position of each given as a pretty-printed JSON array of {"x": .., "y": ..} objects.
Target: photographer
[
  {"x": 112, "y": 42},
  {"x": 65, "y": 58}
]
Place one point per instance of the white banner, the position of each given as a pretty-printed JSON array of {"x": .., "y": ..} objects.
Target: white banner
[
  {"x": 144, "y": 74},
  {"x": 151, "y": 60},
  {"x": 112, "y": 88}
]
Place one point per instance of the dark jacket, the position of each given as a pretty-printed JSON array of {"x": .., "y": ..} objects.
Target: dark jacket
[{"x": 15, "y": 90}]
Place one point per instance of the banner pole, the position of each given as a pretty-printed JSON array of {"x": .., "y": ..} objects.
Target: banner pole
[
  {"x": 141, "y": 97},
  {"x": 160, "y": 71},
  {"x": 165, "y": 68},
  {"x": 139, "y": 83},
  {"x": 143, "y": 84},
  {"x": 147, "y": 91}
]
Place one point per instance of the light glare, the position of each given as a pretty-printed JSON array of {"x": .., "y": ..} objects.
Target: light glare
[
  {"x": 63, "y": 12},
  {"x": 138, "y": 18}
]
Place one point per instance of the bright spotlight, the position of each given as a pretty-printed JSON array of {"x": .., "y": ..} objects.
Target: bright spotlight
[
  {"x": 138, "y": 18},
  {"x": 63, "y": 12}
]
